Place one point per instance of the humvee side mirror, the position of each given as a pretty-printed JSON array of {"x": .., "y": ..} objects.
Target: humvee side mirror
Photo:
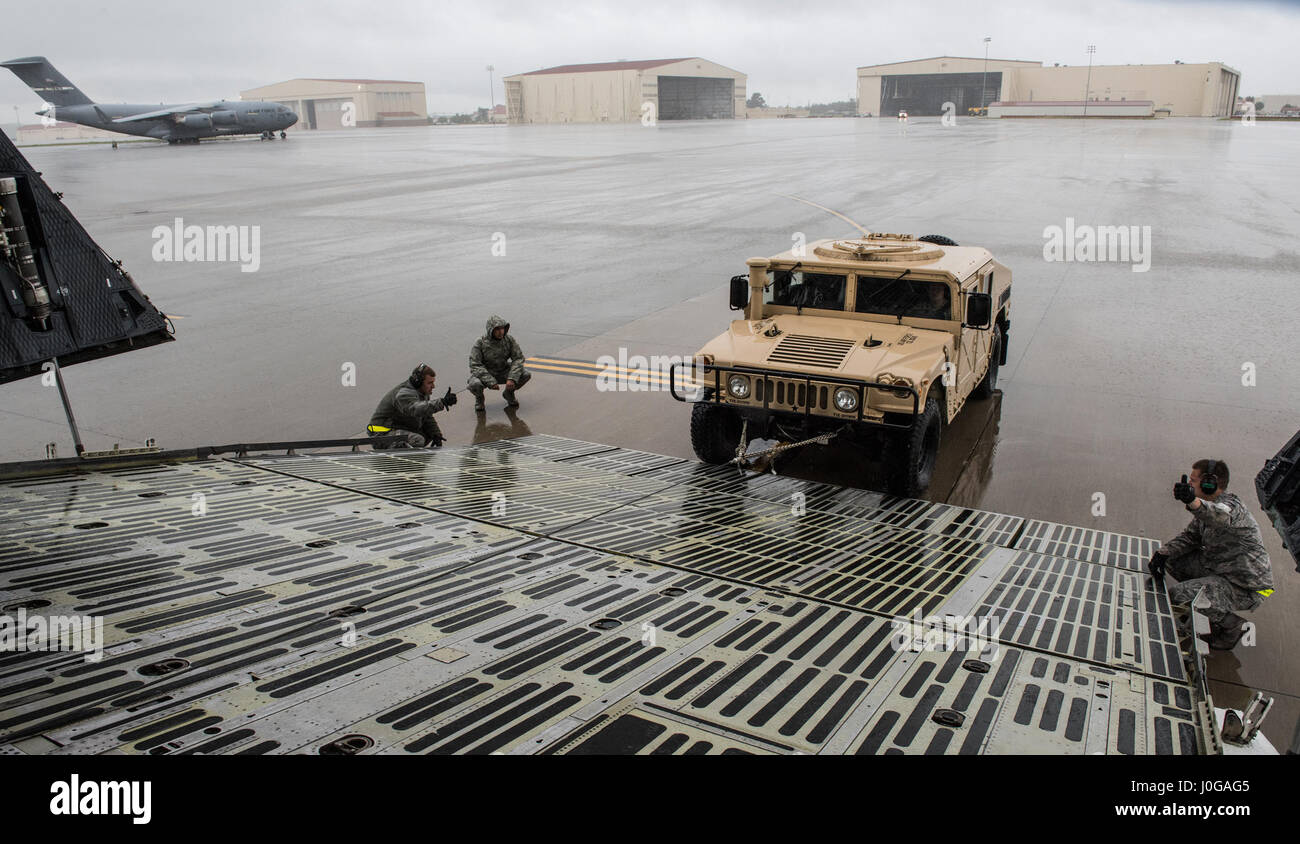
[
  {"x": 979, "y": 310},
  {"x": 739, "y": 292}
]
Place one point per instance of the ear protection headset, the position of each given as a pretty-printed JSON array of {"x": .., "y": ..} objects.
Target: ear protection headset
[
  {"x": 417, "y": 375},
  {"x": 1209, "y": 480}
]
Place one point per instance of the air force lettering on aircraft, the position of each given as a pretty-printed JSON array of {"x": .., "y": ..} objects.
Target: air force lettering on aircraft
[{"x": 175, "y": 124}]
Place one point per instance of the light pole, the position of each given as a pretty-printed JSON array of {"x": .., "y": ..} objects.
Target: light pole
[
  {"x": 1087, "y": 86},
  {"x": 984, "y": 91},
  {"x": 492, "y": 93}
]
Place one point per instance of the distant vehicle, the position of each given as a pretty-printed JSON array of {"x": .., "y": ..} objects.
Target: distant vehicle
[
  {"x": 902, "y": 116},
  {"x": 175, "y": 124},
  {"x": 977, "y": 111},
  {"x": 878, "y": 340}
]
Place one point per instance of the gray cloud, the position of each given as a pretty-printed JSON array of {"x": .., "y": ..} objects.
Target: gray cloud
[{"x": 137, "y": 51}]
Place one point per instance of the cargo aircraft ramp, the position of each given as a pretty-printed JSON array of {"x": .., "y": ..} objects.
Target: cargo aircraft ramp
[{"x": 549, "y": 596}]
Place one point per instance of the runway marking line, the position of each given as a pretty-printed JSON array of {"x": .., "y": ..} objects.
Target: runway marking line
[{"x": 587, "y": 369}]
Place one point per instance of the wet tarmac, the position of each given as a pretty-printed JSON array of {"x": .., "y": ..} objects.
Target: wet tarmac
[{"x": 383, "y": 248}]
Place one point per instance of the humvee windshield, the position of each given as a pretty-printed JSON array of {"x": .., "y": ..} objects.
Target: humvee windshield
[
  {"x": 903, "y": 297},
  {"x": 798, "y": 289}
]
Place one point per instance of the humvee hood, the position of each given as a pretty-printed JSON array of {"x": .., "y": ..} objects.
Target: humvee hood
[{"x": 831, "y": 347}]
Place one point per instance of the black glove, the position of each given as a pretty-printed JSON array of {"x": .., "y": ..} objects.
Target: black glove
[
  {"x": 1157, "y": 564},
  {"x": 449, "y": 399},
  {"x": 1183, "y": 491},
  {"x": 436, "y": 442}
]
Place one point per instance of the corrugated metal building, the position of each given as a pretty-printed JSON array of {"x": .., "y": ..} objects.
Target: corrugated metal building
[
  {"x": 622, "y": 92},
  {"x": 348, "y": 103},
  {"x": 922, "y": 86}
]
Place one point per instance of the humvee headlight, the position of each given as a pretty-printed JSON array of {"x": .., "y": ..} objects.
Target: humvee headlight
[
  {"x": 846, "y": 400},
  {"x": 738, "y": 386}
]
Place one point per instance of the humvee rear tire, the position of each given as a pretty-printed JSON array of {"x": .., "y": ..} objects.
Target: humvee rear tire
[
  {"x": 938, "y": 240},
  {"x": 984, "y": 389},
  {"x": 715, "y": 432},
  {"x": 916, "y": 452}
]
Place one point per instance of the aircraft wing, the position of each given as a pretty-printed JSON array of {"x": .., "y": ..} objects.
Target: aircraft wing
[{"x": 193, "y": 108}]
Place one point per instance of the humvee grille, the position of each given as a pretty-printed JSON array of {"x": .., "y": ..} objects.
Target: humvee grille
[
  {"x": 811, "y": 351},
  {"x": 791, "y": 394}
]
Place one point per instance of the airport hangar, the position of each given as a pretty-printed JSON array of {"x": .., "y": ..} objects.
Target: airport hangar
[
  {"x": 322, "y": 103},
  {"x": 613, "y": 92},
  {"x": 922, "y": 86}
]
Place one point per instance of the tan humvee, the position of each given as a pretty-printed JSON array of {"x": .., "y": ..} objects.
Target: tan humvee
[{"x": 879, "y": 339}]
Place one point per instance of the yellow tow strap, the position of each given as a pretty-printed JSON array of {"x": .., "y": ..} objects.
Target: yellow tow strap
[
  {"x": 378, "y": 429},
  {"x": 1264, "y": 592}
]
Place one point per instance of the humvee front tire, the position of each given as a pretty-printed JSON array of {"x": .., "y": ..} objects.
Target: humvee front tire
[
  {"x": 715, "y": 432},
  {"x": 916, "y": 452},
  {"x": 984, "y": 389}
]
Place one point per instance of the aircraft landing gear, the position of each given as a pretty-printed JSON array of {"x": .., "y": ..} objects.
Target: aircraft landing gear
[{"x": 284, "y": 136}]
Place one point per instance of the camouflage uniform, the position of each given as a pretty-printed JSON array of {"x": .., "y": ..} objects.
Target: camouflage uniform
[
  {"x": 493, "y": 361},
  {"x": 407, "y": 412},
  {"x": 1222, "y": 551}
]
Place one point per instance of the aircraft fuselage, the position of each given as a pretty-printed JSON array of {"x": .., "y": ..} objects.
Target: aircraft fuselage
[{"x": 226, "y": 118}]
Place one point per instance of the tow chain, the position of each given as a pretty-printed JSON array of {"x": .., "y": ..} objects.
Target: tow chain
[
  {"x": 742, "y": 459},
  {"x": 742, "y": 445}
]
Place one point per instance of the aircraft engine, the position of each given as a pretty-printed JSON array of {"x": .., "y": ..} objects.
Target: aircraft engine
[
  {"x": 198, "y": 121},
  {"x": 225, "y": 118}
]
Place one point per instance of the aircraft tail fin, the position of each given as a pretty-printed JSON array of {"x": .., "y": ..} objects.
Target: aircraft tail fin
[{"x": 52, "y": 86}]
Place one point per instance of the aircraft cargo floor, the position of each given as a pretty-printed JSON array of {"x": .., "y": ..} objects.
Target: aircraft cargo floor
[{"x": 547, "y": 595}]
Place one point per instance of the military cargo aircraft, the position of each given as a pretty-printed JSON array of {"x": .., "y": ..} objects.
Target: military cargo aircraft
[{"x": 175, "y": 124}]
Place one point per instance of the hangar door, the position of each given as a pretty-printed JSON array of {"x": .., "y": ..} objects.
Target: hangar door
[
  {"x": 696, "y": 98},
  {"x": 331, "y": 113},
  {"x": 925, "y": 93}
]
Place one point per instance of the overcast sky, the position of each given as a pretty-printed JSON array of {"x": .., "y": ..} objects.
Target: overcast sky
[{"x": 795, "y": 52}]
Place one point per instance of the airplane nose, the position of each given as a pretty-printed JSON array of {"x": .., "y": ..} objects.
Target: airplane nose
[{"x": 293, "y": 118}]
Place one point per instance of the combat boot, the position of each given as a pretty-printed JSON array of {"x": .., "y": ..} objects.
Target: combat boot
[
  {"x": 1225, "y": 636},
  {"x": 509, "y": 396}
]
